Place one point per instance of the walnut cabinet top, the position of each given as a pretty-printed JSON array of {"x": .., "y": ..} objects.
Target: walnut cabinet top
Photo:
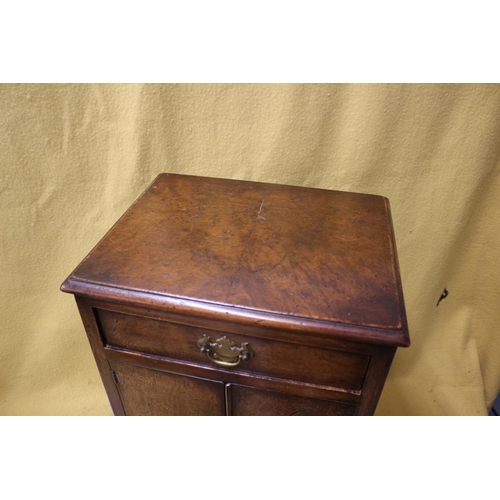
[{"x": 283, "y": 257}]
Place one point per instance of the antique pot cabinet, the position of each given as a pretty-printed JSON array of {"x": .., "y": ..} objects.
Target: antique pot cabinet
[{"x": 223, "y": 297}]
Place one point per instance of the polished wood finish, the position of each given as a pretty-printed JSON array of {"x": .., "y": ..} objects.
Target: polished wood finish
[
  {"x": 307, "y": 277},
  {"x": 96, "y": 344},
  {"x": 318, "y": 365},
  {"x": 248, "y": 401},
  {"x": 151, "y": 392},
  {"x": 234, "y": 376}
]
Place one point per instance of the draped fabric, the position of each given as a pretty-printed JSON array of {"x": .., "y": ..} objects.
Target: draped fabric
[{"x": 74, "y": 157}]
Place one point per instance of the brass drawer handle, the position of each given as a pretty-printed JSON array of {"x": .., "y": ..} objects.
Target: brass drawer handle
[{"x": 224, "y": 352}]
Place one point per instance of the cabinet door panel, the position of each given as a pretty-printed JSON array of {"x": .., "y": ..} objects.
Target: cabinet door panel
[
  {"x": 246, "y": 401},
  {"x": 144, "y": 391}
]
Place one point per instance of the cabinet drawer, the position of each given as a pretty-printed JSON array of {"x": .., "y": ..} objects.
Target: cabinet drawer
[{"x": 284, "y": 360}]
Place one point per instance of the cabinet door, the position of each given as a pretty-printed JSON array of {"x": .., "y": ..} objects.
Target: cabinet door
[
  {"x": 144, "y": 391},
  {"x": 246, "y": 401}
]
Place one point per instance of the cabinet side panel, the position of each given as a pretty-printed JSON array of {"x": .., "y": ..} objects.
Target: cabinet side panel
[
  {"x": 376, "y": 376},
  {"x": 90, "y": 324}
]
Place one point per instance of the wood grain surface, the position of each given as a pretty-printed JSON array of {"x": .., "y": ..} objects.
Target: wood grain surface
[
  {"x": 317, "y": 365},
  {"x": 307, "y": 279},
  {"x": 300, "y": 252}
]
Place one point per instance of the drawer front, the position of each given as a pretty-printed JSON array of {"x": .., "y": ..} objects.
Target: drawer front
[
  {"x": 313, "y": 365},
  {"x": 249, "y": 401}
]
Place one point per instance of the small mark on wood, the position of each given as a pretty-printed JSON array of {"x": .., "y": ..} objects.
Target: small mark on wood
[{"x": 261, "y": 205}]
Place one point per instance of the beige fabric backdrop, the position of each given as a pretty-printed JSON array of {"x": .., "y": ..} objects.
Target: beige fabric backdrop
[{"x": 74, "y": 157}]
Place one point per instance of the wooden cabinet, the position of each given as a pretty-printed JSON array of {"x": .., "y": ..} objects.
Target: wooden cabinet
[{"x": 220, "y": 297}]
